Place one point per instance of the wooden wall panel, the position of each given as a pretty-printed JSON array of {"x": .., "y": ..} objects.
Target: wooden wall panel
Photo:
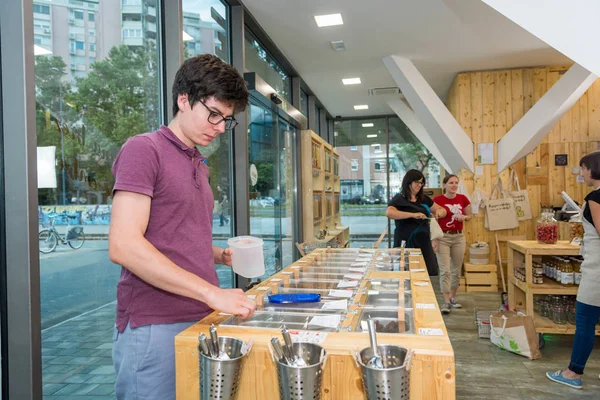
[{"x": 488, "y": 104}]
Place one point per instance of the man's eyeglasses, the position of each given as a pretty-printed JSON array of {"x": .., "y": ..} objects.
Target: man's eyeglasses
[{"x": 216, "y": 118}]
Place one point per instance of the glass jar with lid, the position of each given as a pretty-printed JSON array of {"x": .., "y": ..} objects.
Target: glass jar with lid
[
  {"x": 567, "y": 273},
  {"x": 547, "y": 227},
  {"x": 576, "y": 229},
  {"x": 577, "y": 271}
]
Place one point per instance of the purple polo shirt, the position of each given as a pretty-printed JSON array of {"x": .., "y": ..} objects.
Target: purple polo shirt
[{"x": 161, "y": 166}]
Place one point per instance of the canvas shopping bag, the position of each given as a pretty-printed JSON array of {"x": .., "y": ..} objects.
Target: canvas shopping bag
[
  {"x": 515, "y": 332},
  {"x": 500, "y": 212},
  {"x": 478, "y": 200},
  {"x": 435, "y": 230},
  {"x": 520, "y": 197}
]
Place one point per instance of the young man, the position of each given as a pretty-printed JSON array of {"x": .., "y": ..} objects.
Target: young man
[{"x": 161, "y": 231}]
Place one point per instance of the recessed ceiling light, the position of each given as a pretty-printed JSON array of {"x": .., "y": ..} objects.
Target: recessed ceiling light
[
  {"x": 361, "y": 107},
  {"x": 329, "y": 20},
  {"x": 367, "y": 125},
  {"x": 351, "y": 81},
  {"x": 372, "y": 136}
]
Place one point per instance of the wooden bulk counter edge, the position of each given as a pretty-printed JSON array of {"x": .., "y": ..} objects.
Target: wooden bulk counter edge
[{"x": 433, "y": 369}]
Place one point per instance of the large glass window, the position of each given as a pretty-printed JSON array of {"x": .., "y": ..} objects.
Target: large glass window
[
  {"x": 85, "y": 111},
  {"x": 272, "y": 197},
  {"x": 260, "y": 61},
  {"x": 367, "y": 167},
  {"x": 205, "y": 30}
]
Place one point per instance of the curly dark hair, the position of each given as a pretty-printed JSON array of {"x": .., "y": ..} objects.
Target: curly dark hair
[
  {"x": 206, "y": 75},
  {"x": 411, "y": 176}
]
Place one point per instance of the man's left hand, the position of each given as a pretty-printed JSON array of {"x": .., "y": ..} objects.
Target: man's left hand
[{"x": 226, "y": 256}]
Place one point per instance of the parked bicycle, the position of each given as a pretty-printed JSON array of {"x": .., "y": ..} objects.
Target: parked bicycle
[{"x": 49, "y": 238}]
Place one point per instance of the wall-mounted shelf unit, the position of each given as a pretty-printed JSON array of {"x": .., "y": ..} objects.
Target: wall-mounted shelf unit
[{"x": 321, "y": 190}]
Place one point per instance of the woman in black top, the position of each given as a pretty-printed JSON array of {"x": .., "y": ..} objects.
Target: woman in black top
[{"x": 411, "y": 210}]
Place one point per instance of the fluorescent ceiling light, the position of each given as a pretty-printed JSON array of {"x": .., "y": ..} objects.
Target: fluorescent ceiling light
[
  {"x": 367, "y": 125},
  {"x": 329, "y": 20},
  {"x": 372, "y": 136},
  {"x": 40, "y": 51},
  {"x": 375, "y": 144},
  {"x": 361, "y": 107},
  {"x": 351, "y": 81},
  {"x": 187, "y": 37}
]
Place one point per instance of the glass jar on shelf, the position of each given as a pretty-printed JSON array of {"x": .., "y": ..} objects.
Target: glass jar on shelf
[
  {"x": 567, "y": 278},
  {"x": 576, "y": 229},
  {"x": 544, "y": 307},
  {"x": 577, "y": 271},
  {"x": 547, "y": 227}
]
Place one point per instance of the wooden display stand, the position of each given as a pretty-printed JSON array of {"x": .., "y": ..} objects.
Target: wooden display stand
[
  {"x": 321, "y": 192},
  {"x": 481, "y": 277},
  {"x": 520, "y": 294},
  {"x": 432, "y": 374}
]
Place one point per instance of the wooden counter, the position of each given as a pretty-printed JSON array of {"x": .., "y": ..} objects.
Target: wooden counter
[{"x": 433, "y": 371}]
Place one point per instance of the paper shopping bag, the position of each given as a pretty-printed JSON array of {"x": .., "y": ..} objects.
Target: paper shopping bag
[{"x": 515, "y": 332}]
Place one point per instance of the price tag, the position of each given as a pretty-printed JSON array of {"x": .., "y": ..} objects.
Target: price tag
[
  {"x": 361, "y": 270},
  {"x": 414, "y": 261},
  {"x": 286, "y": 272},
  {"x": 276, "y": 280},
  {"x": 373, "y": 292},
  {"x": 357, "y": 277},
  {"x": 431, "y": 332},
  {"x": 376, "y": 283},
  {"x": 418, "y": 270},
  {"x": 263, "y": 288},
  {"x": 347, "y": 284},
  {"x": 308, "y": 336},
  {"x": 359, "y": 264},
  {"x": 346, "y": 294},
  {"x": 295, "y": 267},
  {"x": 336, "y": 305},
  {"x": 364, "y": 325},
  {"x": 426, "y": 306},
  {"x": 421, "y": 283},
  {"x": 327, "y": 321}
]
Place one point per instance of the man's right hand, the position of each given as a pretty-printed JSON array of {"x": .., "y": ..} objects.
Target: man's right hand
[{"x": 231, "y": 301}]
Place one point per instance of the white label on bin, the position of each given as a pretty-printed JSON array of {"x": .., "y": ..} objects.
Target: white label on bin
[
  {"x": 414, "y": 261},
  {"x": 364, "y": 325},
  {"x": 286, "y": 272},
  {"x": 418, "y": 270},
  {"x": 373, "y": 292},
  {"x": 379, "y": 258},
  {"x": 345, "y": 294},
  {"x": 357, "y": 277},
  {"x": 275, "y": 280},
  {"x": 421, "y": 283},
  {"x": 347, "y": 284},
  {"x": 426, "y": 306},
  {"x": 359, "y": 264},
  {"x": 431, "y": 332},
  {"x": 376, "y": 283},
  {"x": 327, "y": 321},
  {"x": 315, "y": 337},
  {"x": 295, "y": 267},
  {"x": 336, "y": 305},
  {"x": 361, "y": 270},
  {"x": 263, "y": 288}
]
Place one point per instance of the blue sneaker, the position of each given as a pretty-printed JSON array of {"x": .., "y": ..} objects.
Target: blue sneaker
[{"x": 558, "y": 378}]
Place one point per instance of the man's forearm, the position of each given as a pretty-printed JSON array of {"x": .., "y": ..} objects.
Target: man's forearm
[{"x": 140, "y": 257}]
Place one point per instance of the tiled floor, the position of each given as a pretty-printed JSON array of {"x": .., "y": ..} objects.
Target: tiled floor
[{"x": 77, "y": 361}]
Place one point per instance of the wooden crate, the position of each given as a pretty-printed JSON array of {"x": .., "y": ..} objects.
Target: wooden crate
[
  {"x": 481, "y": 277},
  {"x": 462, "y": 286}
]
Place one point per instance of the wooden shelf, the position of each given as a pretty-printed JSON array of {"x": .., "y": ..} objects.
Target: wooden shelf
[
  {"x": 546, "y": 325},
  {"x": 533, "y": 248},
  {"x": 549, "y": 287}
]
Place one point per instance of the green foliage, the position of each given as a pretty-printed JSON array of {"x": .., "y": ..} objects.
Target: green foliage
[{"x": 413, "y": 155}]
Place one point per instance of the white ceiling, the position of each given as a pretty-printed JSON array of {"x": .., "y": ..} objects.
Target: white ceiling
[{"x": 442, "y": 37}]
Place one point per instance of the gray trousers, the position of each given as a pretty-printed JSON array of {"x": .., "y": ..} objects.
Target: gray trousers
[
  {"x": 450, "y": 256},
  {"x": 144, "y": 360}
]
